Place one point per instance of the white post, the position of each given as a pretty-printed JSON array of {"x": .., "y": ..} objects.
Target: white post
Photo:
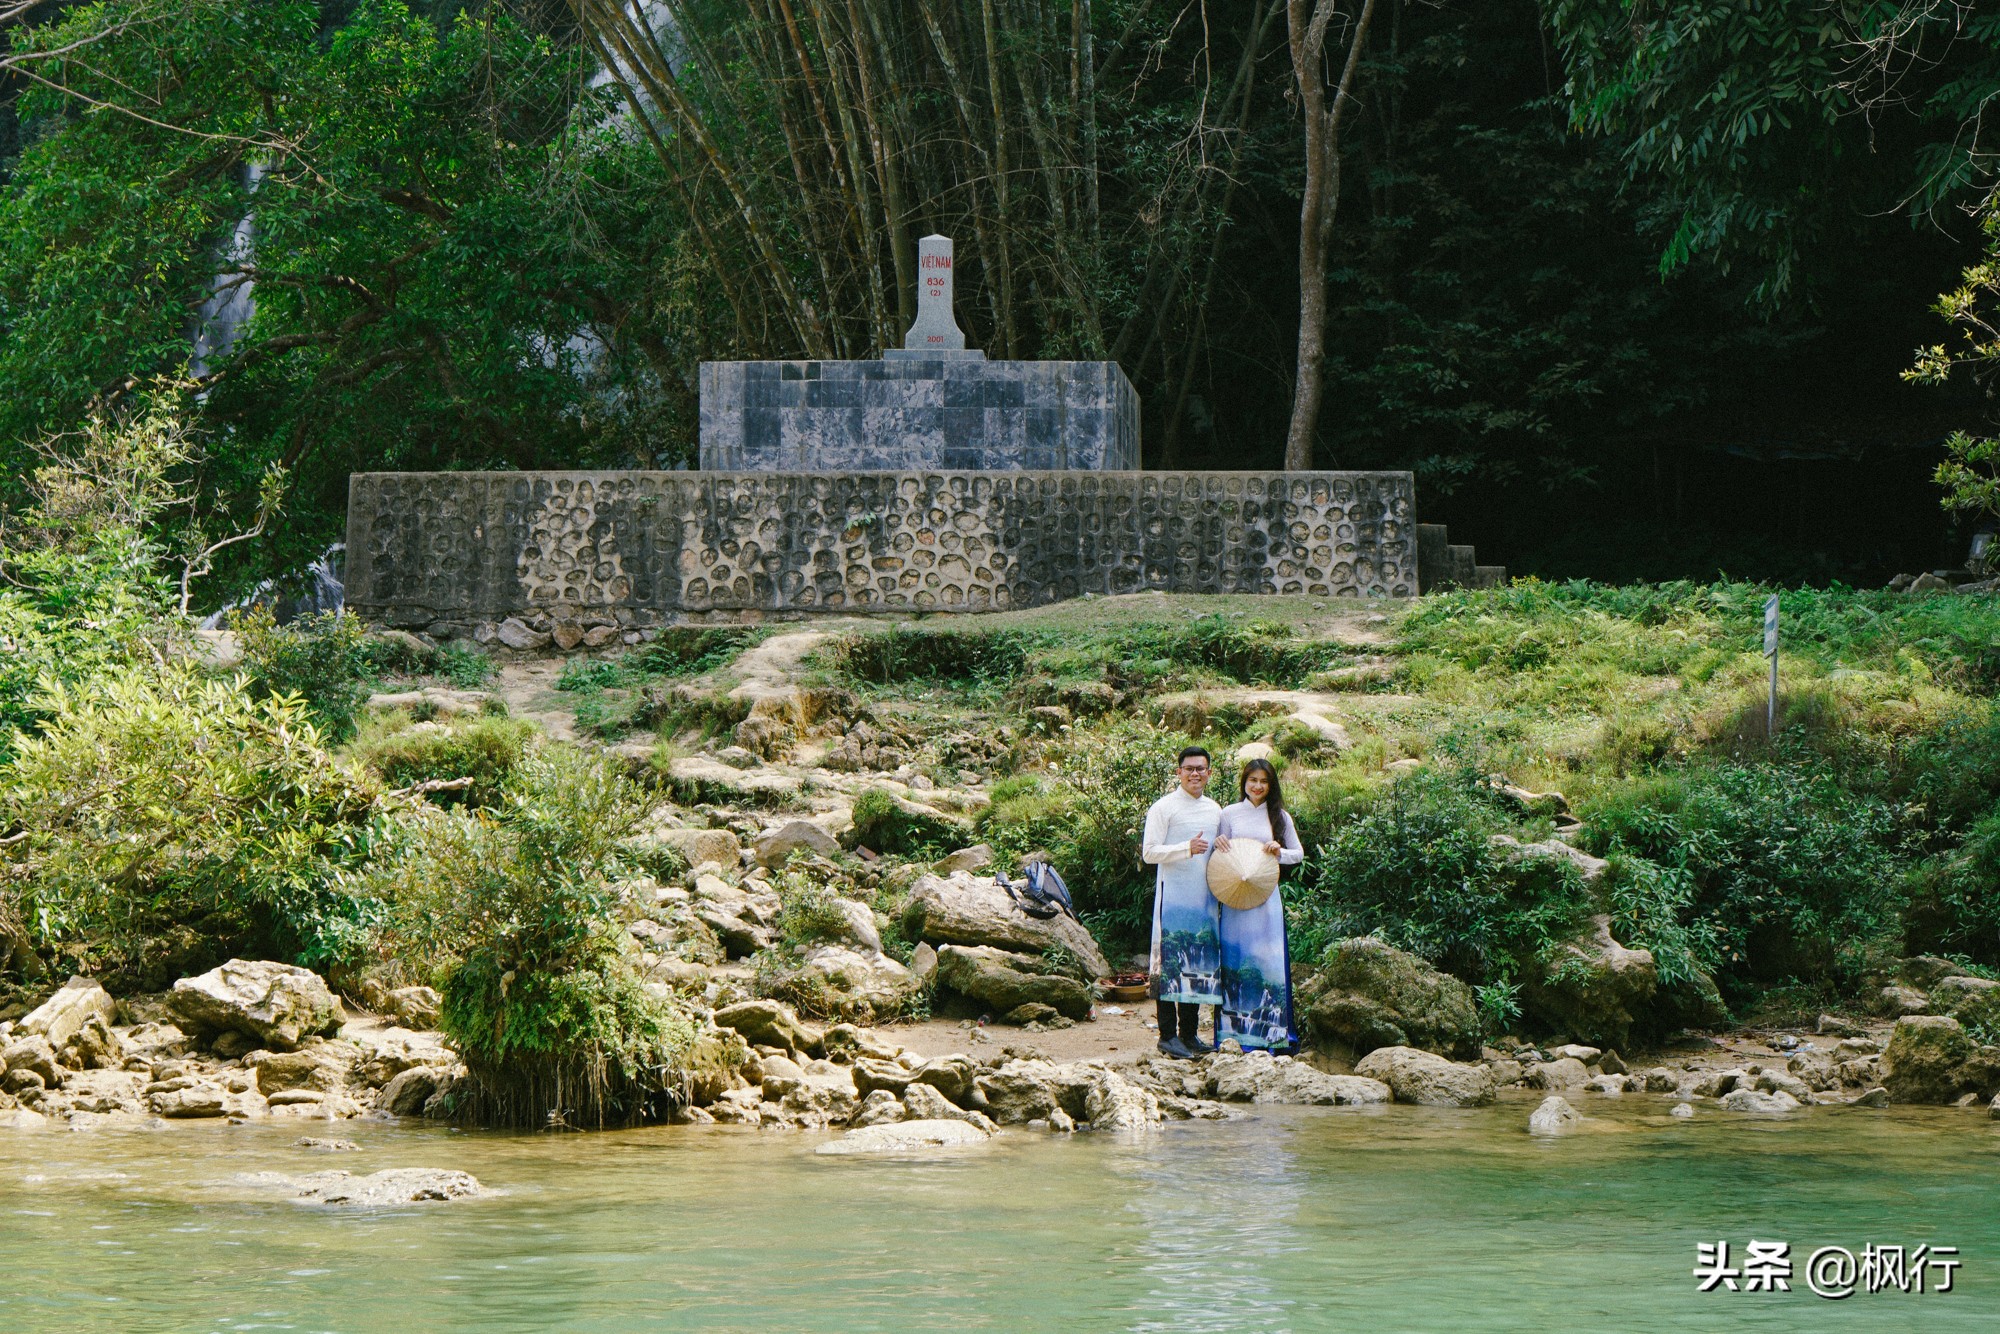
[
  {"x": 1771, "y": 651},
  {"x": 936, "y": 328}
]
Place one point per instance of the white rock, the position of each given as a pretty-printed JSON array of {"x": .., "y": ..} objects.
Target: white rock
[
  {"x": 63, "y": 1015},
  {"x": 1426, "y": 1078},
  {"x": 774, "y": 846},
  {"x": 906, "y": 1137},
  {"x": 278, "y": 1005},
  {"x": 397, "y": 1185},
  {"x": 1553, "y": 1117},
  {"x": 515, "y": 634},
  {"x": 1750, "y": 1100}
]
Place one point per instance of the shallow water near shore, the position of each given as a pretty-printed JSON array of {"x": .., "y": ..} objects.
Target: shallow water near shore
[{"x": 1290, "y": 1219}]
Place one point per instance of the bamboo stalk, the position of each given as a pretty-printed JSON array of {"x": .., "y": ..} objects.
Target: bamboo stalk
[{"x": 1010, "y": 340}]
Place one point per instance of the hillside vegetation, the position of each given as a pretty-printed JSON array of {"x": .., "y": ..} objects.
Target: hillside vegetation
[{"x": 423, "y": 836}]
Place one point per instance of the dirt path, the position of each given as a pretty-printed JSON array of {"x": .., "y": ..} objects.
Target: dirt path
[
  {"x": 769, "y": 668},
  {"x": 528, "y": 689},
  {"x": 1114, "y": 1038}
]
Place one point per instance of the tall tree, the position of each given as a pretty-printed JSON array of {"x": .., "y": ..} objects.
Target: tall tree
[{"x": 1308, "y": 24}]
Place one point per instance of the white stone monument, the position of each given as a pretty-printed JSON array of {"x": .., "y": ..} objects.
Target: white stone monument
[{"x": 936, "y": 334}]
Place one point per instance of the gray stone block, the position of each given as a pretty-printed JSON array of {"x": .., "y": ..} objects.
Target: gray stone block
[{"x": 801, "y": 416}]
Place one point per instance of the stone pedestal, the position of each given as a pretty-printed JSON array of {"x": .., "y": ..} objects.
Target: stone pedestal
[{"x": 957, "y": 413}]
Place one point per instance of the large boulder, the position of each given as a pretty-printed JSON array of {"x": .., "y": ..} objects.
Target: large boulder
[
  {"x": 1932, "y": 1059},
  {"x": 768, "y": 1023},
  {"x": 702, "y": 846},
  {"x": 1368, "y": 994},
  {"x": 1753, "y": 1100},
  {"x": 1003, "y": 982},
  {"x": 774, "y": 847},
  {"x": 1115, "y": 1103},
  {"x": 840, "y": 981},
  {"x": 967, "y": 909},
  {"x": 1030, "y": 1090},
  {"x": 1260, "y": 1077},
  {"x": 1594, "y": 987},
  {"x": 33, "y": 1054},
  {"x": 921, "y": 1102},
  {"x": 411, "y": 1091},
  {"x": 274, "y": 1003},
  {"x": 63, "y": 1015},
  {"x": 1427, "y": 1079},
  {"x": 1973, "y": 1001},
  {"x": 1589, "y": 869},
  {"x": 322, "y": 1066}
]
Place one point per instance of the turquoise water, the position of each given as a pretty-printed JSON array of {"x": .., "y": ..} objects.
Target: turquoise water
[{"x": 1294, "y": 1219}]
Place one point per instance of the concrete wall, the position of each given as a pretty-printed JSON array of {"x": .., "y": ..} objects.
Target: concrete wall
[
  {"x": 916, "y": 412},
  {"x": 456, "y": 553}
]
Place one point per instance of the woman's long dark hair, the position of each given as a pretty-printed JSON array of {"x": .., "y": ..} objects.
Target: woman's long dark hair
[{"x": 1274, "y": 800}]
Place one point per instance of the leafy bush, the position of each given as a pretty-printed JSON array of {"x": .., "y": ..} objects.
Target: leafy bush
[
  {"x": 1417, "y": 867},
  {"x": 1954, "y": 899},
  {"x": 1792, "y": 874},
  {"x": 1253, "y": 652},
  {"x": 808, "y": 911},
  {"x": 455, "y": 663},
  {"x": 932, "y": 655},
  {"x": 690, "y": 650},
  {"x": 172, "y": 821},
  {"x": 325, "y": 660},
  {"x": 678, "y": 651},
  {"x": 81, "y": 583},
  {"x": 487, "y": 750},
  {"x": 886, "y": 825},
  {"x": 1088, "y": 812},
  {"x": 513, "y": 913}
]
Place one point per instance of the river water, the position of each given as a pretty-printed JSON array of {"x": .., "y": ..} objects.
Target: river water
[{"x": 1372, "y": 1220}]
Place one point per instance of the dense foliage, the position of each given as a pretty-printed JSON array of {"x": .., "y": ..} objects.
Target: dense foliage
[
  {"x": 512, "y": 913},
  {"x": 421, "y": 233},
  {"x": 172, "y": 821}
]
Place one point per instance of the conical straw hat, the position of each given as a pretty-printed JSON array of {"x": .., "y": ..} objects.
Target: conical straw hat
[{"x": 1244, "y": 876}]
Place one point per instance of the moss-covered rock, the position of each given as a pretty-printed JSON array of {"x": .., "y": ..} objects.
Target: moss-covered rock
[
  {"x": 1594, "y": 988},
  {"x": 1932, "y": 1059},
  {"x": 887, "y": 823},
  {"x": 1368, "y": 994},
  {"x": 1005, "y": 983}
]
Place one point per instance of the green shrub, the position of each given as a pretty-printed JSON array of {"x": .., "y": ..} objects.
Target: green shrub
[
  {"x": 325, "y": 660},
  {"x": 886, "y": 825},
  {"x": 690, "y": 650},
  {"x": 1954, "y": 898},
  {"x": 1088, "y": 812},
  {"x": 932, "y": 655},
  {"x": 1417, "y": 868},
  {"x": 455, "y": 663},
  {"x": 808, "y": 910},
  {"x": 485, "y": 749},
  {"x": 1253, "y": 652},
  {"x": 172, "y": 821},
  {"x": 513, "y": 912},
  {"x": 588, "y": 674},
  {"x": 1794, "y": 875}
]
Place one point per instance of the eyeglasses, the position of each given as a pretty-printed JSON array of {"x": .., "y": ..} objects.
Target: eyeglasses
[{"x": 1194, "y": 768}]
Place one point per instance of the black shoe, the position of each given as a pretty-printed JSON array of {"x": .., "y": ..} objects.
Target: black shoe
[
  {"x": 1197, "y": 1046},
  {"x": 1174, "y": 1048}
]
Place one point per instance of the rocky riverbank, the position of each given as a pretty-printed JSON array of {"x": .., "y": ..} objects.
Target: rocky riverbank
[{"x": 264, "y": 1040}]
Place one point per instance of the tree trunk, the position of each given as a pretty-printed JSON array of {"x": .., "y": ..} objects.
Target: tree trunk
[{"x": 1306, "y": 24}]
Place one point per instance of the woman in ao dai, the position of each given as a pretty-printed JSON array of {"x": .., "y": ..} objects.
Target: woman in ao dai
[{"x": 1256, "y": 962}]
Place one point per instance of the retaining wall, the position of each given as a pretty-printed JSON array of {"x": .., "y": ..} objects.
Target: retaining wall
[{"x": 458, "y": 553}]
